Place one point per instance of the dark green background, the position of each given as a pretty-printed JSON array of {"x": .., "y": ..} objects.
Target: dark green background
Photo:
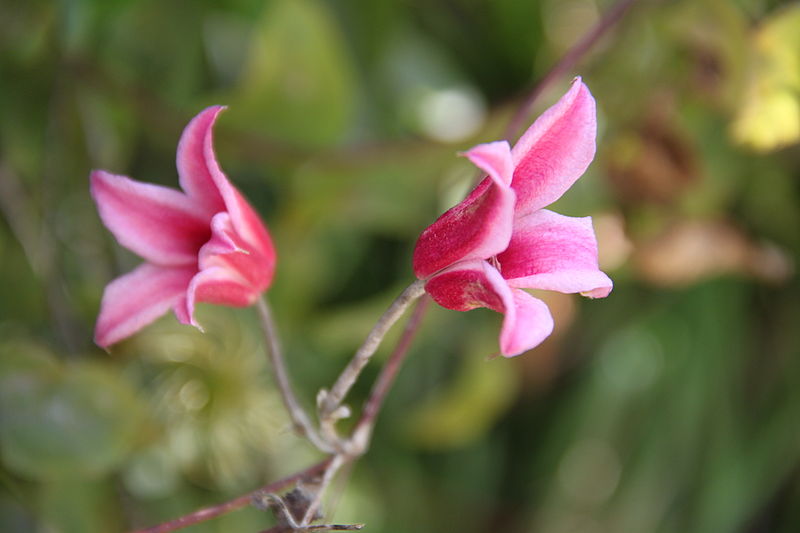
[{"x": 671, "y": 406}]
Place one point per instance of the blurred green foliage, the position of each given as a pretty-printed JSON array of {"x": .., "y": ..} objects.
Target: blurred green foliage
[{"x": 673, "y": 405}]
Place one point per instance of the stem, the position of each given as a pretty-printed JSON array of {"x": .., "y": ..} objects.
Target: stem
[
  {"x": 302, "y": 423},
  {"x": 207, "y": 513},
  {"x": 331, "y": 400},
  {"x": 321, "y": 527},
  {"x": 363, "y": 429},
  {"x": 330, "y": 472},
  {"x": 567, "y": 62}
]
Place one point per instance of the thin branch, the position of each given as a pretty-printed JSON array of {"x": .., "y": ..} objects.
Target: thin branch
[
  {"x": 330, "y": 472},
  {"x": 207, "y": 513},
  {"x": 318, "y": 527},
  {"x": 566, "y": 63},
  {"x": 302, "y": 423},
  {"x": 330, "y": 401},
  {"x": 363, "y": 429}
]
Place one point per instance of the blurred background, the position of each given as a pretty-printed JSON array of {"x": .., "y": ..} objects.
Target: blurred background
[{"x": 673, "y": 405}]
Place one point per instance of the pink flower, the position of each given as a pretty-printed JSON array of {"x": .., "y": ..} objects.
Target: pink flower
[
  {"x": 499, "y": 240},
  {"x": 205, "y": 244}
]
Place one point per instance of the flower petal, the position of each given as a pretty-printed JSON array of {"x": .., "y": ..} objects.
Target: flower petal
[
  {"x": 137, "y": 298},
  {"x": 554, "y": 252},
  {"x": 469, "y": 285},
  {"x": 244, "y": 219},
  {"x": 477, "y": 228},
  {"x": 217, "y": 285},
  {"x": 228, "y": 250},
  {"x": 555, "y": 151},
  {"x": 160, "y": 224},
  {"x": 193, "y": 172},
  {"x": 202, "y": 177},
  {"x": 532, "y": 324},
  {"x": 495, "y": 159},
  {"x": 223, "y": 238},
  {"x": 472, "y": 284}
]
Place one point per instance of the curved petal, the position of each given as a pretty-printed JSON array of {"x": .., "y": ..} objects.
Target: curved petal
[
  {"x": 217, "y": 285},
  {"x": 202, "y": 177},
  {"x": 533, "y": 323},
  {"x": 228, "y": 250},
  {"x": 160, "y": 224},
  {"x": 223, "y": 238},
  {"x": 137, "y": 298},
  {"x": 193, "y": 172},
  {"x": 554, "y": 252},
  {"x": 472, "y": 284},
  {"x": 495, "y": 159},
  {"x": 245, "y": 220},
  {"x": 555, "y": 151},
  {"x": 477, "y": 228}
]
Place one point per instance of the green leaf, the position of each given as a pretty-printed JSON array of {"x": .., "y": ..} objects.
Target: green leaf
[{"x": 55, "y": 422}]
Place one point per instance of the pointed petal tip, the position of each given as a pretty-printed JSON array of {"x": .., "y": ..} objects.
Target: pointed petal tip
[
  {"x": 601, "y": 291},
  {"x": 214, "y": 110},
  {"x": 97, "y": 175},
  {"x": 494, "y": 158},
  {"x": 102, "y": 343}
]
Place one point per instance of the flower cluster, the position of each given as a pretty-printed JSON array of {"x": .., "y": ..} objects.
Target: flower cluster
[{"x": 207, "y": 244}]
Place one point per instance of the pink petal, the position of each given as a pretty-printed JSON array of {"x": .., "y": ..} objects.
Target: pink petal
[
  {"x": 555, "y": 151},
  {"x": 194, "y": 174},
  {"x": 554, "y": 252},
  {"x": 495, "y": 159},
  {"x": 224, "y": 239},
  {"x": 217, "y": 285},
  {"x": 246, "y": 222},
  {"x": 160, "y": 224},
  {"x": 533, "y": 323},
  {"x": 228, "y": 250},
  {"x": 477, "y": 228},
  {"x": 251, "y": 230},
  {"x": 137, "y": 298},
  {"x": 469, "y": 285},
  {"x": 473, "y": 284},
  {"x": 202, "y": 177}
]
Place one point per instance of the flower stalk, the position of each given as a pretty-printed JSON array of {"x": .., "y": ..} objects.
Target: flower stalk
[
  {"x": 301, "y": 421},
  {"x": 329, "y": 403}
]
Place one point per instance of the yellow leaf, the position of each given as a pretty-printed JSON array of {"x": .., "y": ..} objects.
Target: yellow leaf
[{"x": 769, "y": 116}]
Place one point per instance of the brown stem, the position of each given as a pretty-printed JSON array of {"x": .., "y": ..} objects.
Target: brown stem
[
  {"x": 301, "y": 421},
  {"x": 331, "y": 400},
  {"x": 363, "y": 429},
  {"x": 207, "y": 513},
  {"x": 320, "y": 527},
  {"x": 566, "y": 63}
]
